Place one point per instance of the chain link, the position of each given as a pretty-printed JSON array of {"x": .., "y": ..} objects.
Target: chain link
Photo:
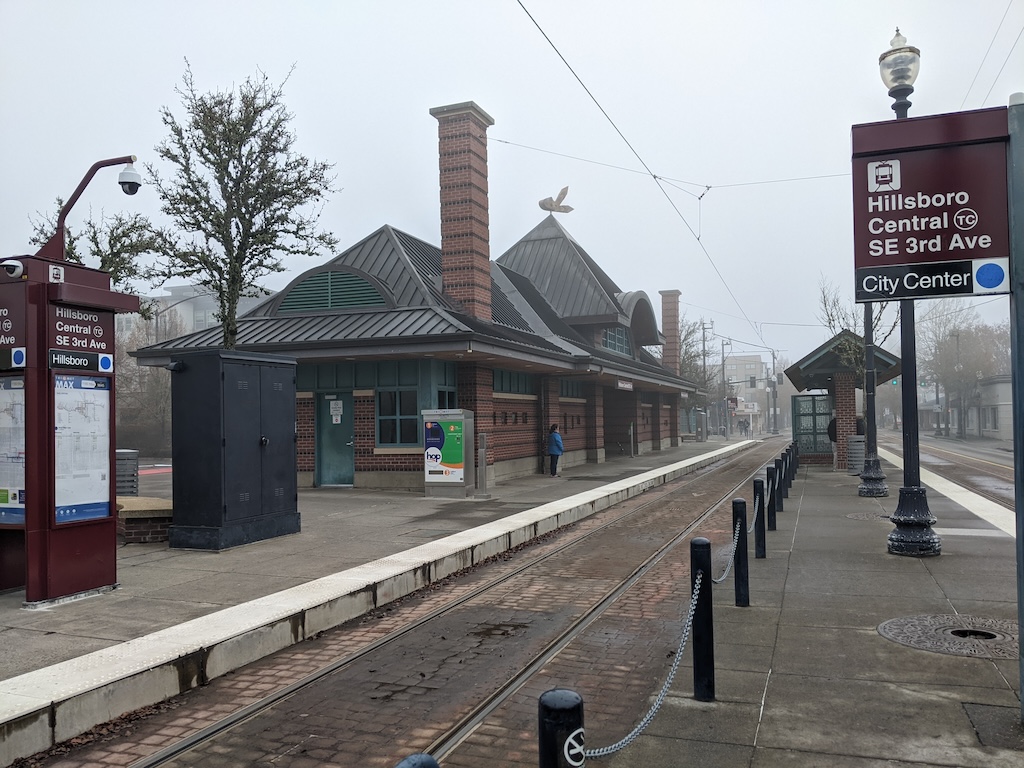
[
  {"x": 632, "y": 736},
  {"x": 732, "y": 555},
  {"x": 753, "y": 522}
]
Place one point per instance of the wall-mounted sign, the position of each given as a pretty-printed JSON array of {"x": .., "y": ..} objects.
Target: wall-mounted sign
[
  {"x": 626, "y": 385},
  {"x": 81, "y": 406},
  {"x": 12, "y": 450},
  {"x": 81, "y": 329},
  {"x": 930, "y": 207}
]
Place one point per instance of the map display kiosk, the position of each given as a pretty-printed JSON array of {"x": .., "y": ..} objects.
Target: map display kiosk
[
  {"x": 58, "y": 517},
  {"x": 448, "y": 462}
]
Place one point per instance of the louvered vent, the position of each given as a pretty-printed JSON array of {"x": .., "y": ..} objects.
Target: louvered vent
[{"x": 331, "y": 290}]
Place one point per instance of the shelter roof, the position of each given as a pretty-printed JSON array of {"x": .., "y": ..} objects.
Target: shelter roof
[{"x": 840, "y": 354}]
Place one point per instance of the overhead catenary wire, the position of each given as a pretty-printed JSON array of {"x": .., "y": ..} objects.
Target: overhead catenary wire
[
  {"x": 985, "y": 57},
  {"x": 640, "y": 159}
]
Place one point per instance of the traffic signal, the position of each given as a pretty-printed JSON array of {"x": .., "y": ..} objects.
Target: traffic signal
[{"x": 778, "y": 377}]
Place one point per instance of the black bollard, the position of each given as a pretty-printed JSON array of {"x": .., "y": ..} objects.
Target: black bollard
[
  {"x": 560, "y": 715},
  {"x": 703, "y": 622},
  {"x": 742, "y": 586},
  {"x": 792, "y": 463},
  {"x": 779, "y": 483},
  {"x": 760, "y": 551},
  {"x": 418, "y": 761},
  {"x": 771, "y": 498},
  {"x": 784, "y": 476}
]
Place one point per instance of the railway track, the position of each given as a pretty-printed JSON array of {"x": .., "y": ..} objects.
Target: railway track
[
  {"x": 988, "y": 478},
  {"x": 437, "y": 672}
]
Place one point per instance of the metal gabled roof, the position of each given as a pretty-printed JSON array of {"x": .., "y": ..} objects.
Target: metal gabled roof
[
  {"x": 334, "y": 330},
  {"x": 562, "y": 272},
  {"x": 400, "y": 267}
]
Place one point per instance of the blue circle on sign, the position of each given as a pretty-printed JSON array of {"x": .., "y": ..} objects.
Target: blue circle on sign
[
  {"x": 990, "y": 276},
  {"x": 18, "y": 358},
  {"x": 105, "y": 362}
]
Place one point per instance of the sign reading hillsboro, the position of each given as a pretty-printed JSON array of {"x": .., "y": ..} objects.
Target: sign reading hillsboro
[{"x": 930, "y": 207}]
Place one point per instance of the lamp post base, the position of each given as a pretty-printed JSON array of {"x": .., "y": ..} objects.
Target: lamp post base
[
  {"x": 872, "y": 479},
  {"x": 913, "y": 535}
]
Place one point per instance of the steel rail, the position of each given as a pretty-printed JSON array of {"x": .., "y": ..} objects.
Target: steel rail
[{"x": 652, "y": 498}]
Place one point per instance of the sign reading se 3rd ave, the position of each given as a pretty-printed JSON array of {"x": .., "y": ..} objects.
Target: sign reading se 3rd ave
[{"x": 930, "y": 221}]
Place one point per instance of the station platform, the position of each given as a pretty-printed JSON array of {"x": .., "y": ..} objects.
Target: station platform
[{"x": 846, "y": 657}]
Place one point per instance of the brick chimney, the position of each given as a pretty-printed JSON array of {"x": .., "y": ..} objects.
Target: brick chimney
[
  {"x": 465, "y": 238},
  {"x": 670, "y": 327}
]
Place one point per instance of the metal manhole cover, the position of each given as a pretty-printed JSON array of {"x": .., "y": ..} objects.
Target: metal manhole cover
[
  {"x": 955, "y": 635},
  {"x": 868, "y": 516}
]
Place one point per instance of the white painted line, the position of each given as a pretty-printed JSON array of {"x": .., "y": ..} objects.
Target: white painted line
[
  {"x": 989, "y": 511},
  {"x": 990, "y": 532}
]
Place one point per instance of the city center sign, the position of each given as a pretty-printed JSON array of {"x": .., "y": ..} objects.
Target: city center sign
[{"x": 930, "y": 207}]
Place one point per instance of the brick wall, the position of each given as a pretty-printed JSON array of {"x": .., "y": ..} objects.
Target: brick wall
[
  {"x": 143, "y": 530},
  {"x": 670, "y": 327},
  {"x": 465, "y": 238},
  {"x": 305, "y": 423},
  {"x": 845, "y": 399}
]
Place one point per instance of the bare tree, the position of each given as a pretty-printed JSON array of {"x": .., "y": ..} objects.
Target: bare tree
[
  {"x": 240, "y": 196},
  {"x": 839, "y": 314},
  {"x": 115, "y": 245},
  {"x": 144, "y": 392},
  {"x": 958, "y": 350}
]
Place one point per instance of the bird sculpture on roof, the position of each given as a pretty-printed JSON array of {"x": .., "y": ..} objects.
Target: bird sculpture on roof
[{"x": 555, "y": 205}]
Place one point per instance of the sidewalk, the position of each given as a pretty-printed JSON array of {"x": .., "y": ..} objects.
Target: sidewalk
[{"x": 805, "y": 678}]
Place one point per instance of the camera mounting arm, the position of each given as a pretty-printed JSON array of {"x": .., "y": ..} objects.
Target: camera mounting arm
[{"x": 54, "y": 247}]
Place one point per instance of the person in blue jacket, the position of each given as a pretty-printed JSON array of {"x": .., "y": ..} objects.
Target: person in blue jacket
[{"x": 555, "y": 448}]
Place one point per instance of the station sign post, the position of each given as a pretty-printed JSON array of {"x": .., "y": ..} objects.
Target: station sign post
[
  {"x": 930, "y": 207},
  {"x": 58, "y": 521}
]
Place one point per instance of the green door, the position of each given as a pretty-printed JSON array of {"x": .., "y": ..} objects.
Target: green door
[{"x": 335, "y": 438}]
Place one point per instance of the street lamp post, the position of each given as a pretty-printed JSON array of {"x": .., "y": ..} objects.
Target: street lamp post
[
  {"x": 130, "y": 181},
  {"x": 913, "y": 535}
]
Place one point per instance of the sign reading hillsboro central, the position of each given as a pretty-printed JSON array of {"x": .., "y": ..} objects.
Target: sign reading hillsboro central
[{"x": 930, "y": 207}]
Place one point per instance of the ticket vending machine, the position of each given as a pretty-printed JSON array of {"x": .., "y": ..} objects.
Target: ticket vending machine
[
  {"x": 58, "y": 520},
  {"x": 448, "y": 462}
]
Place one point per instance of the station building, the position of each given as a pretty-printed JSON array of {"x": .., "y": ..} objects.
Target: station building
[{"x": 394, "y": 326}]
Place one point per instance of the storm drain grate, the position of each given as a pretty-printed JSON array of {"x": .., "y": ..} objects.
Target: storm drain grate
[
  {"x": 868, "y": 516},
  {"x": 955, "y": 635}
]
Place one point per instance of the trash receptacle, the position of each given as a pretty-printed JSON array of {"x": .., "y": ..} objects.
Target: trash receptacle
[
  {"x": 127, "y": 472},
  {"x": 855, "y": 454}
]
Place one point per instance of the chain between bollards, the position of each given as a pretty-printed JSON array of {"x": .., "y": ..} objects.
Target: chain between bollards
[
  {"x": 760, "y": 547},
  {"x": 780, "y": 481}
]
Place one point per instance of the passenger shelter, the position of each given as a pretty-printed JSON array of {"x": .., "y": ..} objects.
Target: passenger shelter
[
  {"x": 831, "y": 374},
  {"x": 395, "y": 325}
]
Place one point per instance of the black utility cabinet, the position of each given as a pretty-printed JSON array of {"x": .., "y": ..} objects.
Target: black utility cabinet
[{"x": 233, "y": 449}]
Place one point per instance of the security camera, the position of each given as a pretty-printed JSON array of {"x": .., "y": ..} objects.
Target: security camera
[
  {"x": 129, "y": 179},
  {"x": 13, "y": 268}
]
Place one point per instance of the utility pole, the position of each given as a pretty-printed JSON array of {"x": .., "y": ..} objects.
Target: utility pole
[
  {"x": 725, "y": 391},
  {"x": 775, "y": 398}
]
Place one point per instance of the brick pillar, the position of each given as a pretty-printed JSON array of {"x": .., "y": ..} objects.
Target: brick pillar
[
  {"x": 845, "y": 397},
  {"x": 594, "y": 422},
  {"x": 476, "y": 393},
  {"x": 465, "y": 239},
  {"x": 670, "y": 327}
]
